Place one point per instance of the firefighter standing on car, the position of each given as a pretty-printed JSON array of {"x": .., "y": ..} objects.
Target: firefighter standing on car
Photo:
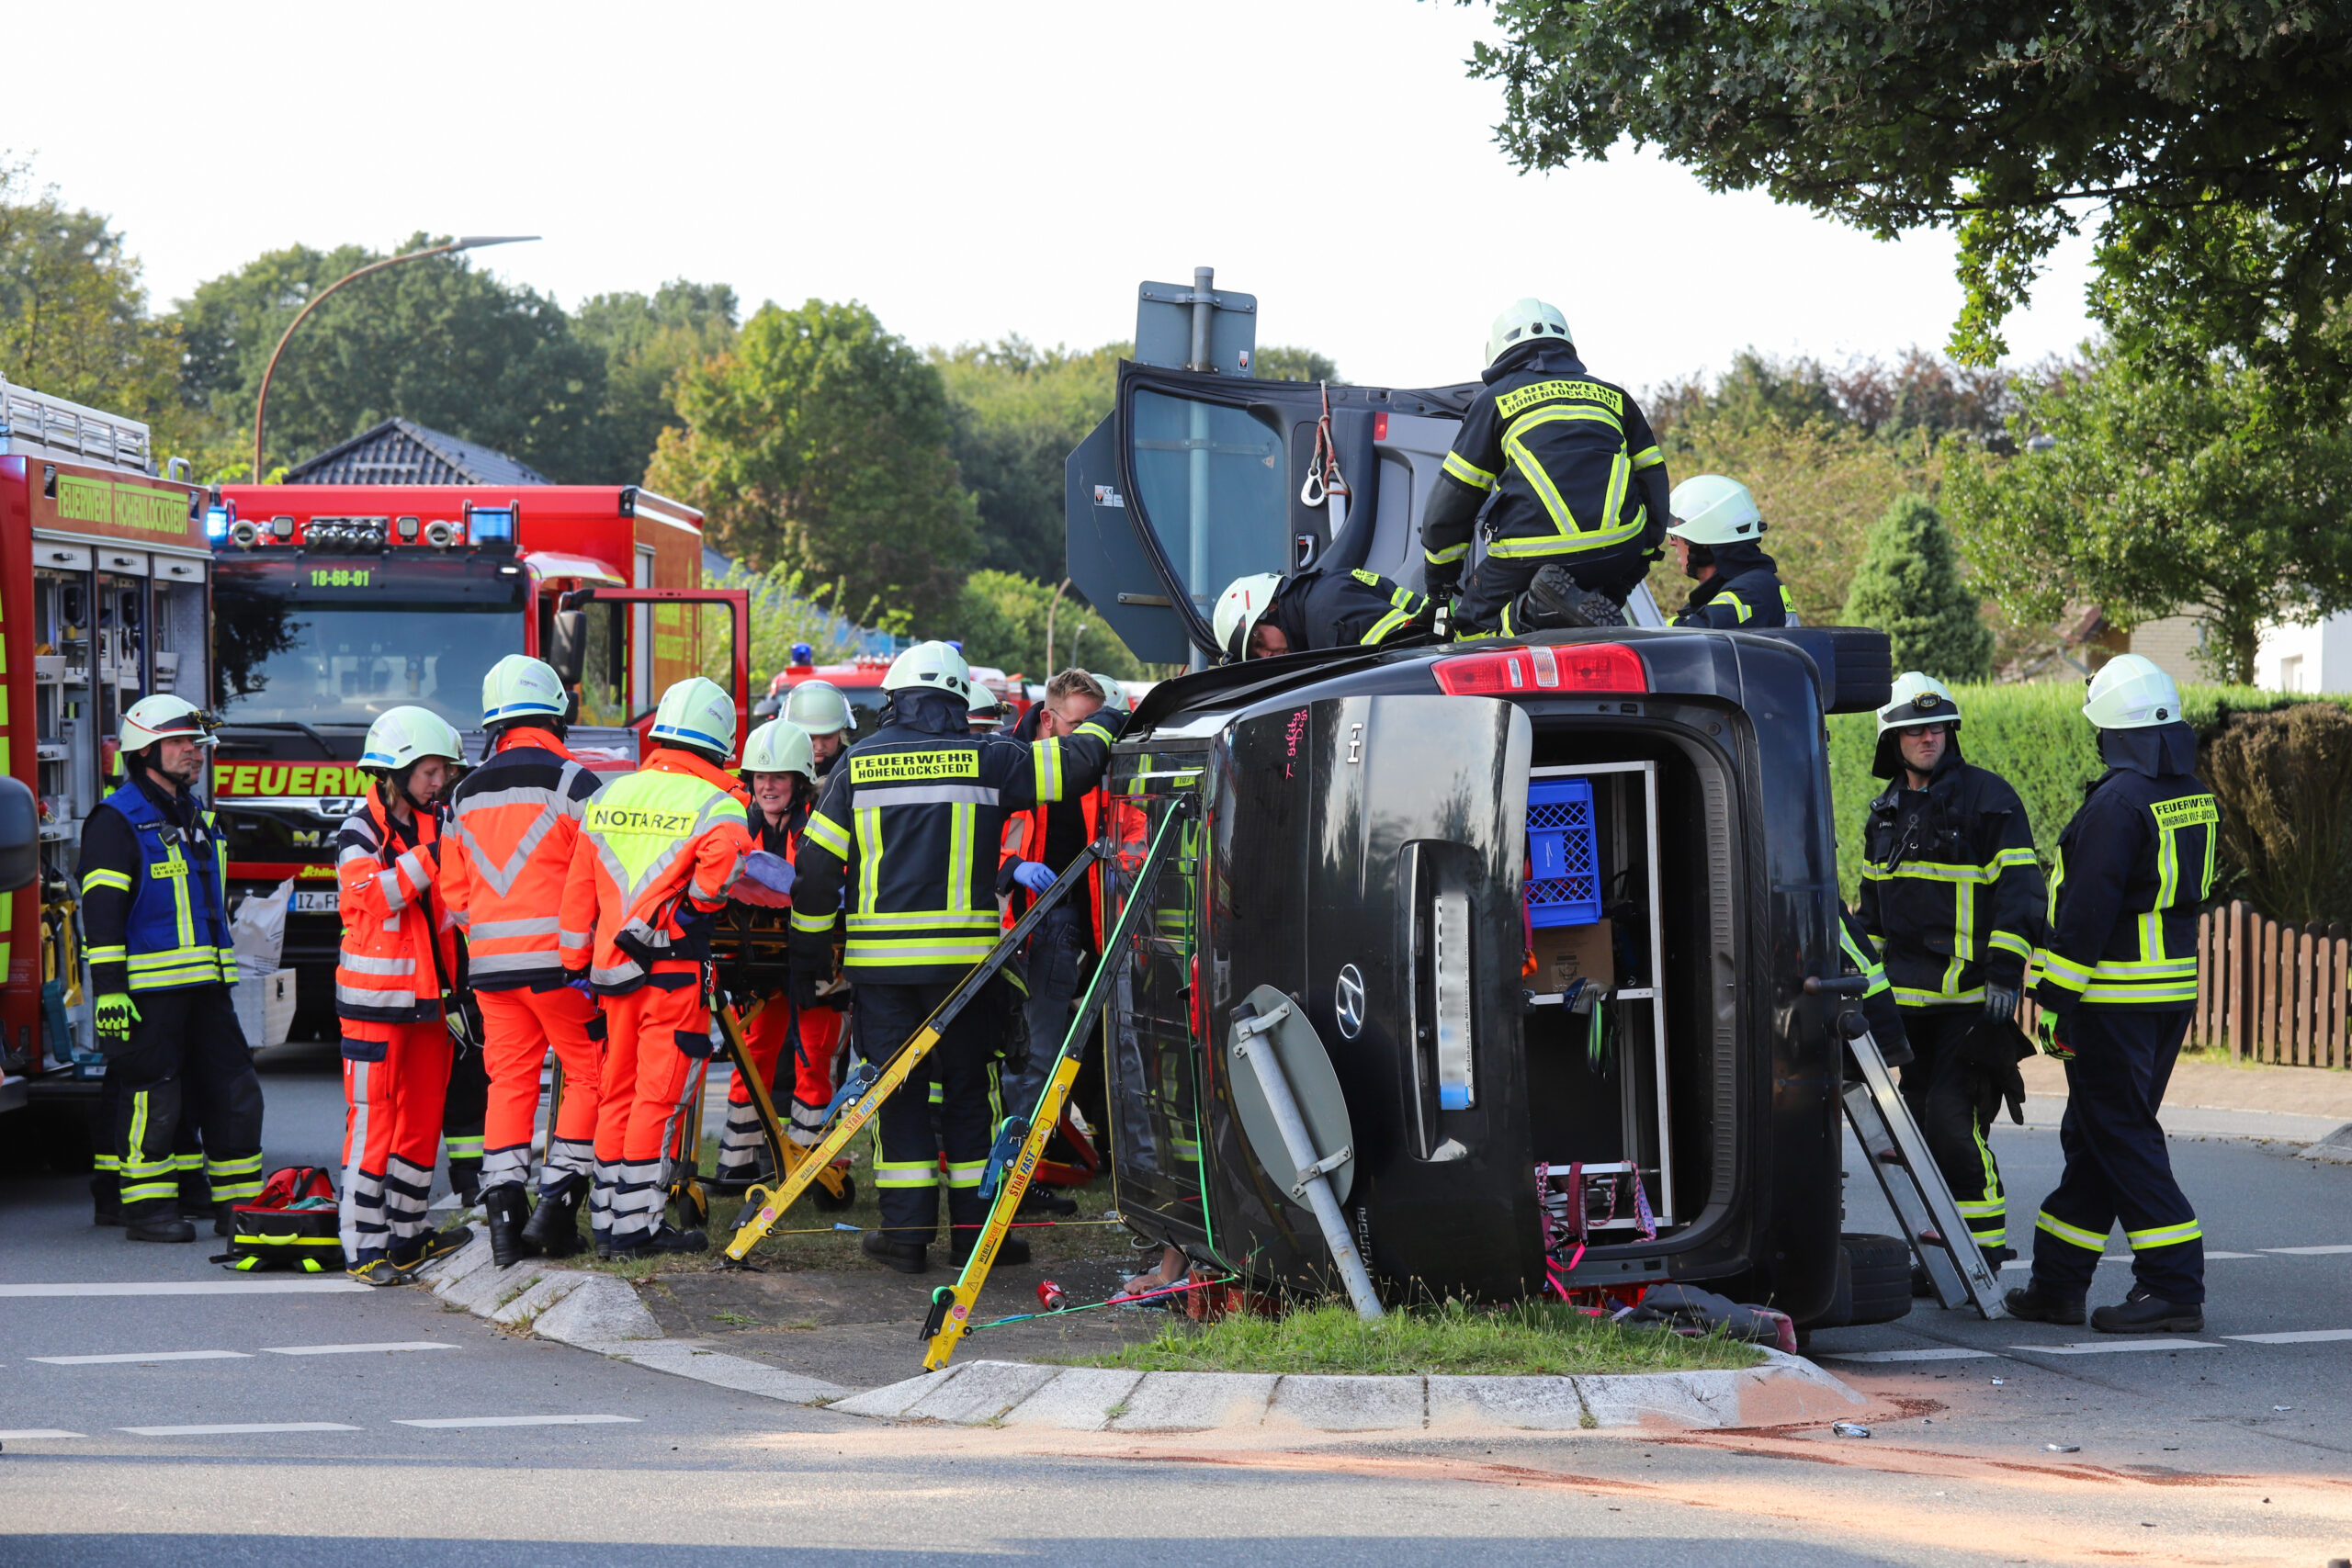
[
  {"x": 821, "y": 711},
  {"x": 909, "y": 827},
  {"x": 2116, "y": 976},
  {"x": 1713, "y": 537},
  {"x": 395, "y": 982},
  {"x": 513, "y": 824},
  {"x": 780, "y": 771},
  {"x": 1266, "y": 613},
  {"x": 657, "y": 852},
  {"x": 154, "y": 914},
  {"x": 1951, "y": 893},
  {"x": 1568, "y": 477}
]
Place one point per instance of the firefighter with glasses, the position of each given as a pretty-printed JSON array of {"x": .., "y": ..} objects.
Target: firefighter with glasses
[
  {"x": 903, "y": 848},
  {"x": 154, "y": 909},
  {"x": 2116, "y": 979},
  {"x": 1951, "y": 894}
]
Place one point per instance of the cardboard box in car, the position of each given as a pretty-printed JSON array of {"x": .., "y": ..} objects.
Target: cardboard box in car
[{"x": 1565, "y": 955}]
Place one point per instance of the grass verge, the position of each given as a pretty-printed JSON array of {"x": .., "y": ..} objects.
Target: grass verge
[{"x": 1525, "y": 1337}]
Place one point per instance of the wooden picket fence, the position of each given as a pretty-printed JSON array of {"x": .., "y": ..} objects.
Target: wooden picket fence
[{"x": 2267, "y": 991}]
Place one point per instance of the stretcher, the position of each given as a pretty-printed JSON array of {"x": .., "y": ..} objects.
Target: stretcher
[{"x": 870, "y": 1084}]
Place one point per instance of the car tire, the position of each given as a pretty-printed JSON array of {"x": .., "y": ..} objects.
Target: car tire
[{"x": 1881, "y": 1266}]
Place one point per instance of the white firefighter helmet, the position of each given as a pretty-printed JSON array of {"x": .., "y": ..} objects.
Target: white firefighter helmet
[
  {"x": 987, "y": 709},
  {"x": 159, "y": 717},
  {"x": 930, "y": 667},
  {"x": 1240, "y": 607},
  {"x": 819, "y": 707},
  {"x": 1917, "y": 700},
  {"x": 1114, "y": 695},
  {"x": 1523, "y": 320},
  {"x": 780, "y": 745},
  {"x": 2130, "y": 692},
  {"x": 519, "y": 686},
  {"x": 403, "y": 736},
  {"x": 1711, "y": 510},
  {"x": 697, "y": 713}
]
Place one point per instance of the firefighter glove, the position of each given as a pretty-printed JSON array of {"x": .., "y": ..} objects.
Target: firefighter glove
[
  {"x": 1035, "y": 875},
  {"x": 2054, "y": 1038},
  {"x": 116, "y": 1013},
  {"x": 2000, "y": 1002}
]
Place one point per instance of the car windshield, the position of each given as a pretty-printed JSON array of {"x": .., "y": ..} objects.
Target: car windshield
[{"x": 325, "y": 641}]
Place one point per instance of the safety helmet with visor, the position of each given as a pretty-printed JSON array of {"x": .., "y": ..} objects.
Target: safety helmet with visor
[
  {"x": 697, "y": 714},
  {"x": 1916, "y": 701},
  {"x": 2131, "y": 691},
  {"x": 1526, "y": 320},
  {"x": 1245, "y": 602}
]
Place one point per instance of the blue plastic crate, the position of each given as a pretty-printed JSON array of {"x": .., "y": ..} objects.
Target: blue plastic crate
[{"x": 1563, "y": 854}]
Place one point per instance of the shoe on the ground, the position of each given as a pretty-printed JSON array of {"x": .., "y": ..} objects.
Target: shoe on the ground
[
  {"x": 906, "y": 1257},
  {"x": 224, "y": 1219},
  {"x": 2037, "y": 1304},
  {"x": 1047, "y": 1200},
  {"x": 504, "y": 1212},
  {"x": 553, "y": 1229},
  {"x": 164, "y": 1227},
  {"x": 378, "y": 1271},
  {"x": 106, "y": 1212},
  {"x": 464, "y": 1180},
  {"x": 1012, "y": 1249},
  {"x": 414, "y": 1253},
  {"x": 667, "y": 1240},
  {"x": 2142, "y": 1312}
]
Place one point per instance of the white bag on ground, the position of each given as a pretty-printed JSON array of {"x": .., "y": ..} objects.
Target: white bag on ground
[{"x": 259, "y": 929}]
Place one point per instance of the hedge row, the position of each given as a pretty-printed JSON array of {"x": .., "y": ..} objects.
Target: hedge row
[{"x": 2033, "y": 735}]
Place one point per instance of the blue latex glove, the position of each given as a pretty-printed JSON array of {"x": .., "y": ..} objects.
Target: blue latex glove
[
  {"x": 578, "y": 980},
  {"x": 1035, "y": 875}
]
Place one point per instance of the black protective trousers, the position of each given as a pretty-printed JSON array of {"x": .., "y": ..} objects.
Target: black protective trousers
[
  {"x": 2118, "y": 1169},
  {"x": 1954, "y": 1106},
  {"x": 962, "y": 1067},
  {"x": 1491, "y": 599},
  {"x": 186, "y": 1060},
  {"x": 464, "y": 1112}
]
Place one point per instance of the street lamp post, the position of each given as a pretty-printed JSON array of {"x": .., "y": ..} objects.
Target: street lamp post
[{"x": 469, "y": 242}]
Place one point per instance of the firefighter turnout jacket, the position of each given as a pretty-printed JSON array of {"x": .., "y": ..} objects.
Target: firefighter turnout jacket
[
  {"x": 154, "y": 892},
  {"x": 1575, "y": 473},
  {"x": 2133, "y": 866},
  {"x": 904, "y": 842},
  {"x": 1951, "y": 889},
  {"x": 1878, "y": 1008},
  {"x": 1345, "y": 609},
  {"x": 400, "y": 947},
  {"x": 513, "y": 824},
  {"x": 659, "y": 850},
  {"x": 1745, "y": 594}
]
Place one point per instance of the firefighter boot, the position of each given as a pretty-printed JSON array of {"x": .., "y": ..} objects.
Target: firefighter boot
[
  {"x": 2140, "y": 1312},
  {"x": 416, "y": 1251},
  {"x": 163, "y": 1224},
  {"x": 505, "y": 1211},
  {"x": 224, "y": 1218},
  {"x": 1012, "y": 1249},
  {"x": 2038, "y": 1303},
  {"x": 906, "y": 1257},
  {"x": 553, "y": 1229},
  {"x": 667, "y": 1239},
  {"x": 1555, "y": 599}
]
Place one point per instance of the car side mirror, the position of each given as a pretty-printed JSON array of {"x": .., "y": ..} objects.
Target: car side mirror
[
  {"x": 567, "y": 646},
  {"x": 19, "y": 835}
]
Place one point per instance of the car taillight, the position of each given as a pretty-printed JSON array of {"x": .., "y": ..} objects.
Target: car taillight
[
  {"x": 1380, "y": 425},
  {"x": 1528, "y": 671}
]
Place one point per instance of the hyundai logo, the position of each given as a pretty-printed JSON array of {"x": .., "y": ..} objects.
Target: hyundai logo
[{"x": 1347, "y": 1001}]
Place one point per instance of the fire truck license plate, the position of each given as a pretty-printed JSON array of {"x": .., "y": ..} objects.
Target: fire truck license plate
[{"x": 315, "y": 903}]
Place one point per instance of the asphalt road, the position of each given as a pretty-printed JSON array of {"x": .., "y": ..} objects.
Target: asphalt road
[{"x": 466, "y": 1445}]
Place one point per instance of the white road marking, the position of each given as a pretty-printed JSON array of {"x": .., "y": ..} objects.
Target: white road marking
[
  {"x": 2294, "y": 1336},
  {"x": 518, "y": 1421},
  {"x": 358, "y": 1349},
  {"x": 2210, "y": 1256},
  {"x": 2310, "y": 1251},
  {"x": 2115, "y": 1347},
  {"x": 29, "y": 1433},
  {"x": 192, "y": 1288},
  {"x": 1940, "y": 1355},
  {"x": 234, "y": 1427},
  {"x": 146, "y": 1356}
]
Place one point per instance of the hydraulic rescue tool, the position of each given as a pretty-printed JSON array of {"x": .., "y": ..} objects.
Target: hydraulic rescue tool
[
  {"x": 786, "y": 1154},
  {"x": 863, "y": 1093},
  {"x": 1022, "y": 1140}
]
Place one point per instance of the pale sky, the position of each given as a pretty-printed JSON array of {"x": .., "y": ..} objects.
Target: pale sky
[{"x": 966, "y": 170}]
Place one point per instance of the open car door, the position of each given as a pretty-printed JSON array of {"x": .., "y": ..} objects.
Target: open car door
[{"x": 1196, "y": 479}]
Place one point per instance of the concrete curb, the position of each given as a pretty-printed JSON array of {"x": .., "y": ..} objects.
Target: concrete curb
[
  {"x": 1090, "y": 1399},
  {"x": 2337, "y": 1147},
  {"x": 599, "y": 1313}
]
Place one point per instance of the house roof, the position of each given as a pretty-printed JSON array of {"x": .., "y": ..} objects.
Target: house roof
[{"x": 397, "y": 452}]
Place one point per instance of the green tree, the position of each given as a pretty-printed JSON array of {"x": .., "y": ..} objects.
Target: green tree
[
  {"x": 646, "y": 342},
  {"x": 434, "y": 341},
  {"x": 1020, "y": 411},
  {"x": 1000, "y": 619},
  {"x": 73, "y": 319},
  {"x": 2215, "y": 139},
  {"x": 785, "y": 609},
  {"x": 822, "y": 444},
  {"x": 2195, "y": 493},
  {"x": 1280, "y": 362},
  {"x": 1909, "y": 586}
]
